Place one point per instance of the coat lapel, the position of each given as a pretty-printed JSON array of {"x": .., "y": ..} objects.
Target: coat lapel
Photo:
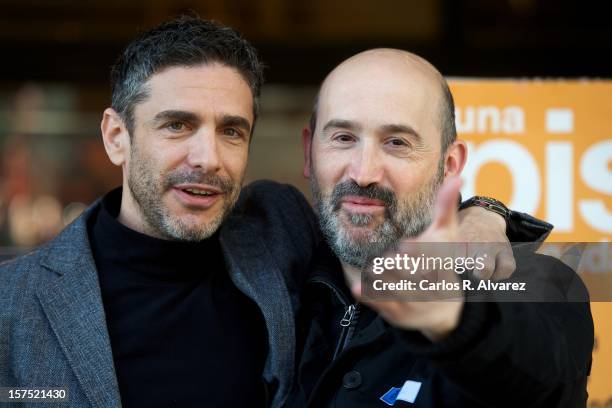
[
  {"x": 72, "y": 302},
  {"x": 250, "y": 267}
]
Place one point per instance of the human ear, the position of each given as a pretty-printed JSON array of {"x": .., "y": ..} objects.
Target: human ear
[
  {"x": 115, "y": 136},
  {"x": 307, "y": 144},
  {"x": 455, "y": 158}
]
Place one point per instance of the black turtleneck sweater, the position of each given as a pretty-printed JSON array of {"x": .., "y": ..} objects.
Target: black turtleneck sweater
[{"x": 182, "y": 334}]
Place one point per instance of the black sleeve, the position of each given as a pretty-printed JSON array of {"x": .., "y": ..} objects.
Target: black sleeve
[
  {"x": 521, "y": 227},
  {"x": 528, "y": 354}
]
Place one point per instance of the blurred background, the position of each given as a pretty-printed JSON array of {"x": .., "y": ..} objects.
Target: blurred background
[
  {"x": 56, "y": 57},
  {"x": 54, "y": 86}
]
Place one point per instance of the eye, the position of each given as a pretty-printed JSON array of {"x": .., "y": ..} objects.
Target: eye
[
  {"x": 397, "y": 142},
  {"x": 231, "y": 132},
  {"x": 175, "y": 126},
  {"x": 343, "y": 138}
]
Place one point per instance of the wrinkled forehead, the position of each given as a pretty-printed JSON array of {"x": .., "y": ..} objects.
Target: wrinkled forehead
[
  {"x": 205, "y": 87},
  {"x": 378, "y": 91}
]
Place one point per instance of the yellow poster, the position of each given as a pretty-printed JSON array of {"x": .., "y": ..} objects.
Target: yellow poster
[{"x": 545, "y": 147}]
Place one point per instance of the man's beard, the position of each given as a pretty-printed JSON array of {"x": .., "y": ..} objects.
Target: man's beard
[
  {"x": 404, "y": 219},
  {"x": 147, "y": 188}
]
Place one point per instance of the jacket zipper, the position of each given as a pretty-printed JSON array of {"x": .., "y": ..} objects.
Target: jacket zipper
[
  {"x": 348, "y": 323},
  {"x": 349, "y": 320}
]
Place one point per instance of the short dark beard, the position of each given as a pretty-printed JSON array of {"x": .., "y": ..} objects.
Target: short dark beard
[{"x": 147, "y": 190}]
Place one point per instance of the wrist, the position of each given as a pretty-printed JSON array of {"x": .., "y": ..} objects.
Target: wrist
[
  {"x": 481, "y": 212},
  {"x": 489, "y": 205}
]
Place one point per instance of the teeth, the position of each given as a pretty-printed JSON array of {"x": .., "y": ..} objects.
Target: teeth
[{"x": 198, "y": 192}]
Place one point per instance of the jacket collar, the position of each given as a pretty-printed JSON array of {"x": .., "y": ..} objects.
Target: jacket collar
[
  {"x": 72, "y": 302},
  {"x": 326, "y": 269}
]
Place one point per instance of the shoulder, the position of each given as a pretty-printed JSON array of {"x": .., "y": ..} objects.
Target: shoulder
[
  {"x": 19, "y": 278},
  {"x": 18, "y": 266},
  {"x": 279, "y": 205},
  {"x": 550, "y": 279},
  {"x": 280, "y": 218},
  {"x": 268, "y": 193}
]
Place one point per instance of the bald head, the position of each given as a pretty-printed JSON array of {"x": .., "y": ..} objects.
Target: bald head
[
  {"x": 385, "y": 60},
  {"x": 379, "y": 147},
  {"x": 391, "y": 71}
]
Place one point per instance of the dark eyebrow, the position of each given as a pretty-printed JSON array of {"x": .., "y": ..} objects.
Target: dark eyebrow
[
  {"x": 171, "y": 114},
  {"x": 341, "y": 123},
  {"x": 391, "y": 128},
  {"x": 237, "y": 121},
  {"x": 190, "y": 117},
  {"x": 397, "y": 128}
]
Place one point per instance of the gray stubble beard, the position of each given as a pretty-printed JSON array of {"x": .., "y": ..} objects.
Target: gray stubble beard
[
  {"x": 147, "y": 191},
  {"x": 405, "y": 219}
]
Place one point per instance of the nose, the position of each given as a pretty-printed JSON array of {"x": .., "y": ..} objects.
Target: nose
[
  {"x": 203, "y": 151},
  {"x": 366, "y": 168}
]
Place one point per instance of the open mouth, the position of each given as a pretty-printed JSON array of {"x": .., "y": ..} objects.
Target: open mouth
[
  {"x": 197, "y": 196},
  {"x": 197, "y": 192}
]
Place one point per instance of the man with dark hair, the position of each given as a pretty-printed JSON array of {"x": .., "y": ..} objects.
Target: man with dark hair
[
  {"x": 179, "y": 288},
  {"x": 383, "y": 166},
  {"x": 185, "y": 41},
  {"x": 145, "y": 300}
]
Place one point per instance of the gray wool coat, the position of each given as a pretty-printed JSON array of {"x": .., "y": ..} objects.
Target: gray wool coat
[{"x": 52, "y": 324}]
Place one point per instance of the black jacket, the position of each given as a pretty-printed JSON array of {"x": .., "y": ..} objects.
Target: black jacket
[{"x": 501, "y": 355}]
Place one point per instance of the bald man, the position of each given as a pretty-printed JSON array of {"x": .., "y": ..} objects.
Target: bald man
[{"x": 383, "y": 161}]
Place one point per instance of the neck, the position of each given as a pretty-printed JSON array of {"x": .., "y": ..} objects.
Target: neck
[{"x": 352, "y": 276}]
